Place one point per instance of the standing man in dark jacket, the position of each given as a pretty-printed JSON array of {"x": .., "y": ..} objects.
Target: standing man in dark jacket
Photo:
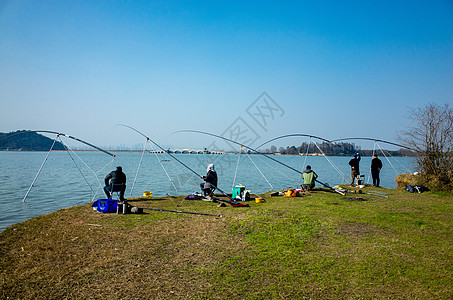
[
  {"x": 115, "y": 181},
  {"x": 210, "y": 181},
  {"x": 354, "y": 163},
  {"x": 376, "y": 166}
]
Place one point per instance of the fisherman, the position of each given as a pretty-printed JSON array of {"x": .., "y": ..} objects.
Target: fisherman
[
  {"x": 355, "y": 172},
  {"x": 376, "y": 166},
  {"x": 210, "y": 183},
  {"x": 115, "y": 181},
  {"x": 309, "y": 177}
]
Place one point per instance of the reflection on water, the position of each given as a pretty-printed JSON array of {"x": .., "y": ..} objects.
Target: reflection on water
[{"x": 65, "y": 182}]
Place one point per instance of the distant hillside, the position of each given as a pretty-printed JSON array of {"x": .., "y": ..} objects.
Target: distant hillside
[{"x": 30, "y": 141}]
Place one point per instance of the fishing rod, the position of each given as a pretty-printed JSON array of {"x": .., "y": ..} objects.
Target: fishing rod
[
  {"x": 375, "y": 140},
  {"x": 293, "y": 135},
  {"x": 59, "y": 134},
  {"x": 157, "y": 145},
  {"x": 256, "y": 151}
]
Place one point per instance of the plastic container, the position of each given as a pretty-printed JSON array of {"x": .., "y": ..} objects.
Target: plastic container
[{"x": 238, "y": 190}]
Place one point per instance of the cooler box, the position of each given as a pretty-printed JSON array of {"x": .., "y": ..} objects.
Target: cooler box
[{"x": 237, "y": 191}]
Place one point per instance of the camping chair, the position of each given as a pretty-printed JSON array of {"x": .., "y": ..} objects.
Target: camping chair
[{"x": 117, "y": 188}]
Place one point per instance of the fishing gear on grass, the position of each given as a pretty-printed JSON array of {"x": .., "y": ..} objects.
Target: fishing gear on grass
[{"x": 255, "y": 151}]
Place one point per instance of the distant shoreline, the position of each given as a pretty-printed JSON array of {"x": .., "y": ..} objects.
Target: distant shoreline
[{"x": 222, "y": 153}]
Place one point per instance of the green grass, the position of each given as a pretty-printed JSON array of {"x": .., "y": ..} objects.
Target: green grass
[
  {"x": 325, "y": 246},
  {"x": 319, "y": 246}
]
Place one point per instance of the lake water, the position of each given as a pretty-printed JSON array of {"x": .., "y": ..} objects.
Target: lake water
[{"x": 68, "y": 180}]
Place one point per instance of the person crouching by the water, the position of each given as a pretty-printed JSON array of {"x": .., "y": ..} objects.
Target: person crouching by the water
[
  {"x": 354, "y": 163},
  {"x": 115, "y": 181},
  {"x": 309, "y": 177},
  {"x": 210, "y": 179},
  {"x": 376, "y": 166}
]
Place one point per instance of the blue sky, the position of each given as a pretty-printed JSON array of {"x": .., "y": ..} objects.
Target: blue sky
[{"x": 335, "y": 68}]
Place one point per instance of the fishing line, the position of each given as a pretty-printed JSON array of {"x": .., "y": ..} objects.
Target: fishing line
[
  {"x": 256, "y": 151},
  {"x": 165, "y": 170},
  {"x": 108, "y": 164},
  {"x": 388, "y": 159},
  {"x": 39, "y": 171},
  {"x": 80, "y": 171},
  {"x": 395, "y": 159},
  {"x": 237, "y": 167},
  {"x": 58, "y": 133},
  {"x": 259, "y": 171},
  {"x": 305, "y": 160},
  {"x": 188, "y": 177},
  {"x": 138, "y": 168},
  {"x": 295, "y": 135},
  {"x": 331, "y": 163},
  {"x": 376, "y": 140},
  {"x": 369, "y": 174},
  {"x": 157, "y": 145},
  {"x": 284, "y": 174},
  {"x": 92, "y": 171}
]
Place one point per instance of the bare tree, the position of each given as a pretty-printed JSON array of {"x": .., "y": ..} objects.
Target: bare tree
[{"x": 432, "y": 135}]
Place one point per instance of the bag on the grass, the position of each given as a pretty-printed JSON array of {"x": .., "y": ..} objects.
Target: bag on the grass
[{"x": 106, "y": 205}]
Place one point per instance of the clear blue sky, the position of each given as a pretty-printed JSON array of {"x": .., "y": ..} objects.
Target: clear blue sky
[{"x": 335, "y": 68}]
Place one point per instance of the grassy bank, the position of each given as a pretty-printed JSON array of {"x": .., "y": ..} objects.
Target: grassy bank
[{"x": 319, "y": 246}]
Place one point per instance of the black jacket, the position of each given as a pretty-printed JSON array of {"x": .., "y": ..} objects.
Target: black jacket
[
  {"x": 210, "y": 178},
  {"x": 354, "y": 163},
  {"x": 376, "y": 164},
  {"x": 115, "y": 177}
]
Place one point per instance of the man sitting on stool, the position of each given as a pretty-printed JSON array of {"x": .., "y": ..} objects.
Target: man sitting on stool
[
  {"x": 309, "y": 177},
  {"x": 115, "y": 181}
]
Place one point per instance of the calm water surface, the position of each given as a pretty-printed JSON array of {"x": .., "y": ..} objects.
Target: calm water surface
[{"x": 68, "y": 180}]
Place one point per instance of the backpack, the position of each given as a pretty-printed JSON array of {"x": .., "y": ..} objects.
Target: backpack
[
  {"x": 416, "y": 188},
  {"x": 290, "y": 193}
]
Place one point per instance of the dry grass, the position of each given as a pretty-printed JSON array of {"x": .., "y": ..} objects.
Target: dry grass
[{"x": 320, "y": 246}]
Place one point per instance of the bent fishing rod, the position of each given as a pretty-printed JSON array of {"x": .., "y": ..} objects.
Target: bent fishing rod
[
  {"x": 251, "y": 149},
  {"x": 190, "y": 169},
  {"x": 375, "y": 140},
  {"x": 58, "y": 134},
  {"x": 296, "y": 135}
]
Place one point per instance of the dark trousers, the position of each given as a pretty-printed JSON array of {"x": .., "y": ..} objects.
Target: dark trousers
[
  {"x": 206, "y": 191},
  {"x": 375, "y": 175},
  {"x": 108, "y": 191}
]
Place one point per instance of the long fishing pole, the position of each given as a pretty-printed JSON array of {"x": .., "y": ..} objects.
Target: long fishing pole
[
  {"x": 375, "y": 140},
  {"x": 293, "y": 135},
  {"x": 190, "y": 169},
  {"x": 58, "y": 134},
  {"x": 254, "y": 150}
]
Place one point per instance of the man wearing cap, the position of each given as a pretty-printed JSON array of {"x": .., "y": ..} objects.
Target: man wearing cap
[
  {"x": 376, "y": 166},
  {"x": 354, "y": 163},
  {"x": 115, "y": 181}
]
